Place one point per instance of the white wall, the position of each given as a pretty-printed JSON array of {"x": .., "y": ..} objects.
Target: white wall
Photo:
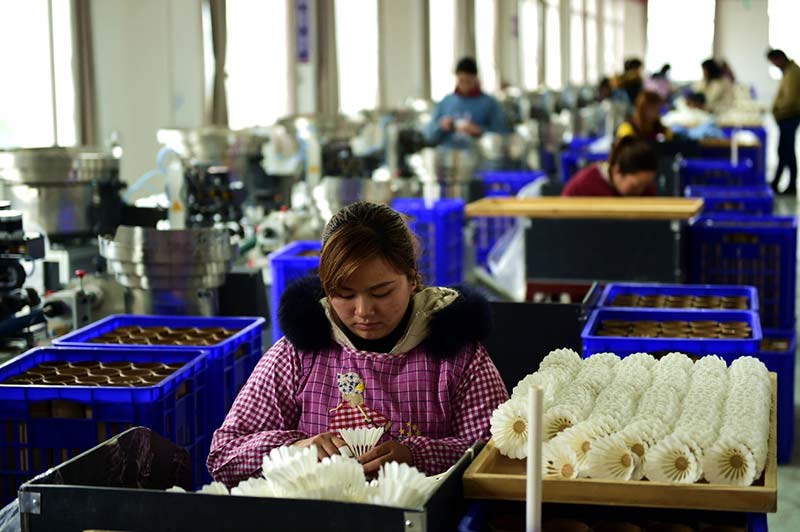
[
  {"x": 634, "y": 42},
  {"x": 403, "y": 53},
  {"x": 149, "y": 73},
  {"x": 509, "y": 65},
  {"x": 742, "y": 38}
]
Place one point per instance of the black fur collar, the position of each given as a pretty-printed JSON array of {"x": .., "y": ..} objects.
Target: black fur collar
[{"x": 302, "y": 319}]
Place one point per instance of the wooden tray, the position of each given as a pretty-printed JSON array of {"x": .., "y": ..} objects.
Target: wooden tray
[
  {"x": 494, "y": 476},
  {"x": 639, "y": 208}
]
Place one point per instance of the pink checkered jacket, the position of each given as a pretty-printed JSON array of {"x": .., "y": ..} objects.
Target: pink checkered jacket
[{"x": 438, "y": 395}]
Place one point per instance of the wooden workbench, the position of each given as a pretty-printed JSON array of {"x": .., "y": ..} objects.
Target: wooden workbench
[{"x": 609, "y": 208}]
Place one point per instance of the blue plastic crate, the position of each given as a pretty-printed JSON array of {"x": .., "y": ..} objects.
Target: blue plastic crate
[
  {"x": 439, "y": 227},
  {"x": 504, "y": 183},
  {"x": 43, "y": 426},
  {"x": 230, "y": 362},
  {"x": 750, "y": 250},
  {"x": 718, "y": 172},
  {"x": 291, "y": 262},
  {"x": 781, "y": 362},
  {"x": 489, "y": 229},
  {"x": 624, "y": 346},
  {"x": 751, "y": 199},
  {"x": 612, "y": 290},
  {"x": 572, "y": 161}
]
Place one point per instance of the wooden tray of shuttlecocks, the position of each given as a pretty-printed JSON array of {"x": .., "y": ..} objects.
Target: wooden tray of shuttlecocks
[{"x": 494, "y": 476}]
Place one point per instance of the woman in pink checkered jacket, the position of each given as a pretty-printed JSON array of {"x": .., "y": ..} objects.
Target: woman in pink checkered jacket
[{"x": 366, "y": 345}]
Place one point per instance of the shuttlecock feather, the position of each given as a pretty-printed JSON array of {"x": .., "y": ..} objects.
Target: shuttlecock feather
[
  {"x": 729, "y": 462},
  {"x": 672, "y": 460},
  {"x": 361, "y": 440},
  {"x": 610, "y": 458},
  {"x": 509, "y": 427},
  {"x": 559, "y": 461}
]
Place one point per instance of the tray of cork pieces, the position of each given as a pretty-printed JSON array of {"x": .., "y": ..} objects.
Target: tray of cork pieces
[{"x": 494, "y": 476}]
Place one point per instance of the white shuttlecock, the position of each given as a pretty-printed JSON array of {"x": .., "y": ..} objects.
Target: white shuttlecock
[
  {"x": 215, "y": 488},
  {"x": 610, "y": 458},
  {"x": 676, "y": 359},
  {"x": 175, "y": 489},
  {"x": 549, "y": 381},
  {"x": 645, "y": 360},
  {"x": 258, "y": 487},
  {"x": 672, "y": 460},
  {"x": 558, "y": 419},
  {"x": 509, "y": 427},
  {"x": 559, "y": 461},
  {"x": 580, "y": 437},
  {"x": 729, "y": 462},
  {"x": 291, "y": 469},
  {"x": 609, "y": 360},
  {"x": 361, "y": 440},
  {"x": 402, "y": 486},
  {"x": 339, "y": 479},
  {"x": 562, "y": 357}
]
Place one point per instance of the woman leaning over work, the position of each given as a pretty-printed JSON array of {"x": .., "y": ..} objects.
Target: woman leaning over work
[
  {"x": 645, "y": 122},
  {"x": 368, "y": 346},
  {"x": 630, "y": 171}
]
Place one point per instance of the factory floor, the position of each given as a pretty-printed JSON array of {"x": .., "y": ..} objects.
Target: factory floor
[{"x": 788, "y": 517}]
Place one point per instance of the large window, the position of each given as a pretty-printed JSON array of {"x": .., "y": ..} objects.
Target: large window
[
  {"x": 591, "y": 41},
  {"x": 529, "y": 41},
  {"x": 256, "y": 62},
  {"x": 37, "y": 96},
  {"x": 357, "y": 51},
  {"x": 783, "y": 26},
  {"x": 552, "y": 45},
  {"x": 613, "y": 18},
  {"x": 442, "y": 31},
  {"x": 696, "y": 40},
  {"x": 485, "y": 32},
  {"x": 576, "y": 50}
]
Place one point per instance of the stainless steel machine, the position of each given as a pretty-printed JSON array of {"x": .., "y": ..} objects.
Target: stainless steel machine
[
  {"x": 58, "y": 189},
  {"x": 169, "y": 272}
]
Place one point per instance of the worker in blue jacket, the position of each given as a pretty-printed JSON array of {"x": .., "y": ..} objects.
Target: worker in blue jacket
[{"x": 465, "y": 114}]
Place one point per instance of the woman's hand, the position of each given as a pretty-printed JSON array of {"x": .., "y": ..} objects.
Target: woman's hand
[
  {"x": 391, "y": 451},
  {"x": 327, "y": 444},
  {"x": 446, "y": 123}
]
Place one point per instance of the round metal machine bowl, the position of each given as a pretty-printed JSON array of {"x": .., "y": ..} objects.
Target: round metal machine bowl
[
  {"x": 53, "y": 186},
  {"x": 212, "y": 144},
  {"x": 175, "y": 271}
]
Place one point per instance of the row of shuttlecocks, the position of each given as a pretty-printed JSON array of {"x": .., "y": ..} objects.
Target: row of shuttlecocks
[
  {"x": 295, "y": 472},
  {"x": 666, "y": 420}
]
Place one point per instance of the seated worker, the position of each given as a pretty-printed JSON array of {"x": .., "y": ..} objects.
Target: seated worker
[
  {"x": 645, "y": 122},
  {"x": 466, "y": 113},
  {"x": 630, "y": 171},
  {"x": 716, "y": 87}
]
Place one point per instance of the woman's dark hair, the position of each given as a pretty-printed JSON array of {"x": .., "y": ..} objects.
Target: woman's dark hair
[
  {"x": 697, "y": 98},
  {"x": 633, "y": 154},
  {"x": 467, "y": 65},
  {"x": 775, "y": 53},
  {"x": 633, "y": 63},
  {"x": 361, "y": 232},
  {"x": 712, "y": 69},
  {"x": 644, "y": 100}
]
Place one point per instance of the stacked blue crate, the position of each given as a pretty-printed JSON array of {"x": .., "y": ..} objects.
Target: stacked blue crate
[
  {"x": 719, "y": 172},
  {"x": 439, "y": 227},
  {"x": 230, "y": 361},
  {"x": 750, "y": 199},
  {"x": 595, "y": 342},
  {"x": 44, "y": 425},
  {"x": 291, "y": 262},
  {"x": 489, "y": 229},
  {"x": 759, "y": 251}
]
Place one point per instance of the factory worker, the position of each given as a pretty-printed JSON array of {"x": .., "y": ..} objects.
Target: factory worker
[
  {"x": 367, "y": 345},
  {"x": 645, "y": 122},
  {"x": 718, "y": 89},
  {"x": 466, "y": 113},
  {"x": 786, "y": 110},
  {"x": 630, "y": 171}
]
